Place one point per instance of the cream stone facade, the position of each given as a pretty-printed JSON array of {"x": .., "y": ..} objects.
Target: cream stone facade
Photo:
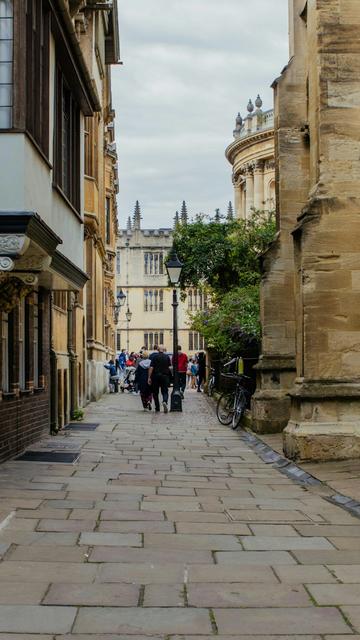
[
  {"x": 141, "y": 274},
  {"x": 252, "y": 158},
  {"x": 309, "y": 380}
]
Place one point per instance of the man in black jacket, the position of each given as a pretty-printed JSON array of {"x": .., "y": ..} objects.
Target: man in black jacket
[{"x": 159, "y": 377}]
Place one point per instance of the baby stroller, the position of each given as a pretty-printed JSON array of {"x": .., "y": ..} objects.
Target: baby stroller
[{"x": 128, "y": 382}]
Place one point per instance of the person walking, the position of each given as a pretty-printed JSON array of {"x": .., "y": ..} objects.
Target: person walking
[
  {"x": 182, "y": 362},
  {"x": 141, "y": 380},
  {"x": 122, "y": 364},
  {"x": 113, "y": 376},
  {"x": 201, "y": 362},
  {"x": 194, "y": 372},
  {"x": 159, "y": 377}
]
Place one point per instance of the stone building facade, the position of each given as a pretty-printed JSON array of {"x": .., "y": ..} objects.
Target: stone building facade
[
  {"x": 309, "y": 371},
  {"x": 141, "y": 274},
  {"x": 252, "y": 158},
  {"x": 53, "y": 71}
]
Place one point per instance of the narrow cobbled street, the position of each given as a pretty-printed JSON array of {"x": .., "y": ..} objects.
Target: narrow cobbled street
[{"x": 169, "y": 526}]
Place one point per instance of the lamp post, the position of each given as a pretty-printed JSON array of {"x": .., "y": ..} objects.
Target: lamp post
[
  {"x": 120, "y": 301},
  {"x": 128, "y": 319},
  {"x": 173, "y": 268}
]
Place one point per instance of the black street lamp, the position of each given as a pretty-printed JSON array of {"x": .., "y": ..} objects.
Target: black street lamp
[
  {"x": 173, "y": 268},
  {"x": 120, "y": 301}
]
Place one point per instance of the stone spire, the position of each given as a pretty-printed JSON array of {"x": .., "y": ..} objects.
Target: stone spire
[
  {"x": 137, "y": 216},
  {"x": 230, "y": 211},
  {"x": 184, "y": 213},
  {"x": 217, "y": 215},
  {"x": 176, "y": 219},
  {"x": 129, "y": 225}
]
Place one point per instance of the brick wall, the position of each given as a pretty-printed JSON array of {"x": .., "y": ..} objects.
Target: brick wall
[{"x": 25, "y": 416}]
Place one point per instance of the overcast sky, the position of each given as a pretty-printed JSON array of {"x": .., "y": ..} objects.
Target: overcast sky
[{"x": 189, "y": 67}]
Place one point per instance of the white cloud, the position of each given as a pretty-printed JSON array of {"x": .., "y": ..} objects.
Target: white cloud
[{"x": 189, "y": 66}]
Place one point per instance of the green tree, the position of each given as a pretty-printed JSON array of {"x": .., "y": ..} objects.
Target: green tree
[{"x": 223, "y": 260}]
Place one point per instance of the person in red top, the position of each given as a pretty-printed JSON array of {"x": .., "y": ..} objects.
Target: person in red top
[{"x": 182, "y": 362}]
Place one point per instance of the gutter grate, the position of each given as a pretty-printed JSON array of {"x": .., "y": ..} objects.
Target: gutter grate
[{"x": 49, "y": 456}]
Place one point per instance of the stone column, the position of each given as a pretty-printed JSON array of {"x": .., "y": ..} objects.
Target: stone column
[
  {"x": 237, "y": 196},
  {"x": 249, "y": 191},
  {"x": 259, "y": 185},
  {"x": 276, "y": 369}
]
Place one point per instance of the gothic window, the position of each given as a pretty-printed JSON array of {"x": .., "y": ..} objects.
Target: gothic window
[
  {"x": 153, "y": 300},
  {"x": 190, "y": 300},
  {"x": 6, "y": 62},
  {"x": 196, "y": 341},
  {"x": 153, "y": 338},
  {"x": 107, "y": 220},
  {"x": 118, "y": 263},
  {"x": 22, "y": 345},
  {"x": 67, "y": 141},
  {"x": 5, "y": 352},
  {"x": 37, "y": 71},
  {"x": 36, "y": 340},
  {"x": 153, "y": 263}
]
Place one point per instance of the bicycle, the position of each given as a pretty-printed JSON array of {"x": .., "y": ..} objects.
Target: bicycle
[
  {"x": 231, "y": 406},
  {"x": 211, "y": 383}
]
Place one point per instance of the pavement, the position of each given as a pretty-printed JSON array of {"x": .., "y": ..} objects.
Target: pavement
[
  {"x": 170, "y": 527},
  {"x": 342, "y": 475}
]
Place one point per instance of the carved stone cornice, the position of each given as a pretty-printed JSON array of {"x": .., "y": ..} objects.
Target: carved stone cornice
[{"x": 240, "y": 144}]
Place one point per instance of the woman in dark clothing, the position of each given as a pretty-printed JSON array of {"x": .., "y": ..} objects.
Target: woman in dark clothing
[
  {"x": 201, "y": 362},
  {"x": 141, "y": 379}
]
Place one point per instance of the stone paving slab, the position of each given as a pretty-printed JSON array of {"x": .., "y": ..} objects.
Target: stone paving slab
[
  {"x": 286, "y": 543},
  {"x": 304, "y": 574},
  {"x": 148, "y": 620},
  {"x": 104, "y": 595},
  {"x": 327, "y": 557},
  {"x": 164, "y": 595},
  {"x": 111, "y": 539},
  {"x": 48, "y": 553},
  {"x": 189, "y": 541},
  {"x": 347, "y": 573},
  {"x": 47, "y": 572},
  {"x": 22, "y": 593},
  {"x": 136, "y": 527},
  {"x": 36, "y": 619},
  {"x": 222, "y": 573},
  {"x": 254, "y": 595},
  {"x": 281, "y": 621},
  {"x": 335, "y": 594},
  {"x": 254, "y": 557},
  {"x": 352, "y": 614}
]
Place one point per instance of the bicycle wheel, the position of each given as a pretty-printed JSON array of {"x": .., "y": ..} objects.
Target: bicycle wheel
[
  {"x": 211, "y": 387},
  {"x": 240, "y": 406},
  {"x": 225, "y": 409}
]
